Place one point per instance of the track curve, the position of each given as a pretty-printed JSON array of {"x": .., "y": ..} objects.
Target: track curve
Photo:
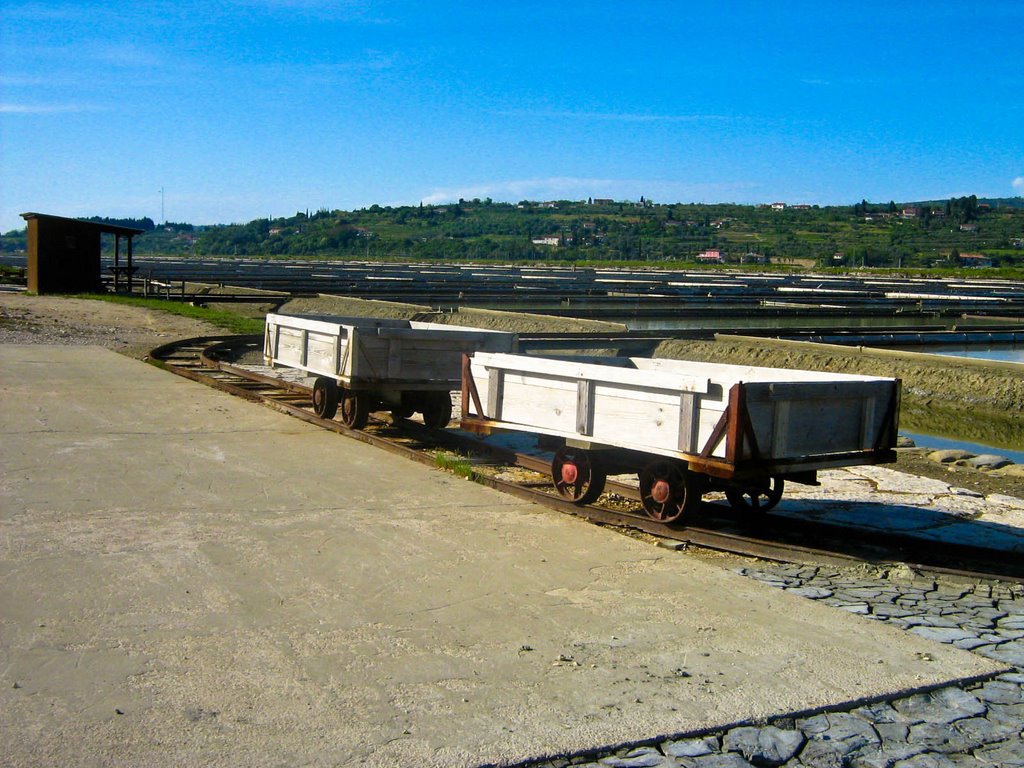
[{"x": 213, "y": 362}]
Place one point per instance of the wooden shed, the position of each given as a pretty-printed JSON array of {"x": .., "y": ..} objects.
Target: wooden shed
[{"x": 64, "y": 254}]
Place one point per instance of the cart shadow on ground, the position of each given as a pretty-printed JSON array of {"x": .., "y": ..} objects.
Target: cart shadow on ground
[{"x": 891, "y": 529}]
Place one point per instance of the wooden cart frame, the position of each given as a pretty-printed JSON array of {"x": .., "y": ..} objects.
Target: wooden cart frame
[
  {"x": 685, "y": 428},
  {"x": 363, "y": 364}
]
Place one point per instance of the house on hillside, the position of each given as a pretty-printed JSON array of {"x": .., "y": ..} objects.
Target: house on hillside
[
  {"x": 710, "y": 257},
  {"x": 778, "y": 206},
  {"x": 553, "y": 240},
  {"x": 978, "y": 260}
]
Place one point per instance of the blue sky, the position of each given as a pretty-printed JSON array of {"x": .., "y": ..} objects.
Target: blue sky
[{"x": 252, "y": 108}]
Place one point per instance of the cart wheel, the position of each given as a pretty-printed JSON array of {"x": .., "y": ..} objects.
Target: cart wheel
[
  {"x": 756, "y": 499},
  {"x": 355, "y": 409},
  {"x": 577, "y": 476},
  {"x": 325, "y": 398},
  {"x": 437, "y": 409},
  {"x": 669, "y": 490}
]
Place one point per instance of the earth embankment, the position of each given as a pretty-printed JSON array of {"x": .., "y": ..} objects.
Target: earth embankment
[{"x": 492, "y": 320}]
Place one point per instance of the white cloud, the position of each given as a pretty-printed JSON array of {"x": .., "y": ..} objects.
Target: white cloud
[
  {"x": 46, "y": 109},
  {"x": 24, "y": 81},
  {"x": 621, "y": 117},
  {"x": 576, "y": 188},
  {"x": 1018, "y": 183},
  {"x": 521, "y": 189},
  {"x": 125, "y": 55},
  {"x": 37, "y": 12},
  {"x": 360, "y": 11}
]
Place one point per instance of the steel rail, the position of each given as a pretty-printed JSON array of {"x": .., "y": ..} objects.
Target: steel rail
[{"x": 208, "y": 360}]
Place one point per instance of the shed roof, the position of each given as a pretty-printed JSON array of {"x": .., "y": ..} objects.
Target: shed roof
[{"x": 110, "y": 229}]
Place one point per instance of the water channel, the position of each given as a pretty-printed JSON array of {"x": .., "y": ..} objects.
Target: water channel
[
  {"x": 1008, "y": 353},
  {"x": 941, "y": 443}
]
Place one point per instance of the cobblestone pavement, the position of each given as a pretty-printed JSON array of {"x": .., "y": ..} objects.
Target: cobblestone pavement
[{"x": 979, "y": 724}]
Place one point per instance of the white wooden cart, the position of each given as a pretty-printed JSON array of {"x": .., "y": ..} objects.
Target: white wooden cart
[
  {"x": 684, "y": 427},
  {"x": 362, "y": 364}
]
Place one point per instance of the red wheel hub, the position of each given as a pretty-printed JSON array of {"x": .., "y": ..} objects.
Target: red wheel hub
[
  {"x": 569, "y": 473},
  {"x": 661, "y": 491}
]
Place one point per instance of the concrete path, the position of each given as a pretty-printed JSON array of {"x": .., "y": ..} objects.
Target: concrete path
[{"x": 190, "y": 579}]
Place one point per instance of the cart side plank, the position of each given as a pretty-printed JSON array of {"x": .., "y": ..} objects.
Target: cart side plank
[{"x": 616, "y": 412}]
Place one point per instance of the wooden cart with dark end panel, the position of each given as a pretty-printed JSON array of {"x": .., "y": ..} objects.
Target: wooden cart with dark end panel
[{"x": 686, "y": 428}]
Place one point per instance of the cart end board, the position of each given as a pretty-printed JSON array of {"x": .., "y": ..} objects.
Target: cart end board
[
  {"x": 705, "y": 414},
  {"x": 791, "y": 420}
]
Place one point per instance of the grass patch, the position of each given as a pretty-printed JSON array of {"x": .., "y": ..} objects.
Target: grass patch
[
  {"x": 459, "y": 465},
  {"x": 229, "y": 321}
]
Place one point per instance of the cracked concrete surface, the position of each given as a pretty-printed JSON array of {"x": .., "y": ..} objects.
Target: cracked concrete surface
[{"x": 188, "y": 579}]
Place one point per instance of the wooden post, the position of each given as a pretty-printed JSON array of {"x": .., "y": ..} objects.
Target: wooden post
[
  {"x": 117, "y": 263},
  {"x": 734, "y": 434},
  {"x": 465, "y": 385},
  {"x": 130, "y": 270}
]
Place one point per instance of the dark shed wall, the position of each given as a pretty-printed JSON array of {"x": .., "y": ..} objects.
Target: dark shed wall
[{"x": 63, "y": 256}]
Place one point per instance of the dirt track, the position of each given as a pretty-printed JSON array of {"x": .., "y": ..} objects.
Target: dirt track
[{"x": 132, "y": 331}]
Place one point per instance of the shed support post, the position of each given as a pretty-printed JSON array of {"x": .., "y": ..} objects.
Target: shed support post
[
  {"x": 117, "y": 263},
  {"x": 130, "y": 269}
]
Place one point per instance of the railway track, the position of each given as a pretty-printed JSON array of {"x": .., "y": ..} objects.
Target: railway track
[{"x": 213, "y": 362}]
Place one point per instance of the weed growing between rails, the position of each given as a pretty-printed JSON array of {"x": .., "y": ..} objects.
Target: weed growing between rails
[{"x": 456, "y": 464}]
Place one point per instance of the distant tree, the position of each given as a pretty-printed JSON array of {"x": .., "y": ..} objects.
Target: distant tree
[{"x": 144, "y": 223}]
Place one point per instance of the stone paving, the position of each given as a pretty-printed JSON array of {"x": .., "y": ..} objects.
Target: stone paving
[{"x": 980, "y": 724}]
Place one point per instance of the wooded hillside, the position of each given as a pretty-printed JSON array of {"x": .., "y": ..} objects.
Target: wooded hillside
[{"x": 921, "y": 234}]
